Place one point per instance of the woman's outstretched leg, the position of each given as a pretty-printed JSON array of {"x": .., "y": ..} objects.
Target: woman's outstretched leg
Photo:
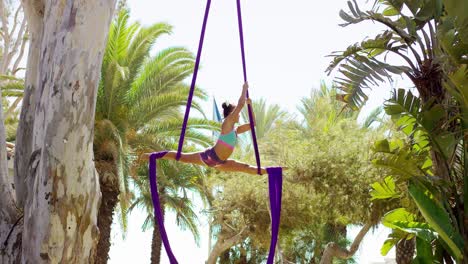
[
  {"x": 192, "y": 158},
  {"x": 232, "y": 165}
]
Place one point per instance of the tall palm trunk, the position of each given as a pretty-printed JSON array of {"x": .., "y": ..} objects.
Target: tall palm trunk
[
  {"x": 224, "y": 258},
  {"x": 108, "y": 180},
  {"x": 156, "y": 244},
  {"x": 429, "y": 85},
  {"x": 405, "y": 251}
]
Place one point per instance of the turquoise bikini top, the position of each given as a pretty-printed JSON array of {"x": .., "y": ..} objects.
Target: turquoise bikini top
[{"x": 229, "y": 140}]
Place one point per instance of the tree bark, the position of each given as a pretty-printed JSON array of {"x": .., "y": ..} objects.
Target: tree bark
[
  {"x": 223, "y": 243},
  {"x": 108, "y": 182},
  {"x": 55, "y": 176},
  {"x": 333, "y": 250},
  {"x": 405, "y": 251},
  {"x": 224, "y": 257},
  {"x": 156, "y": 243},
  {"x": 34, "y": 13}
]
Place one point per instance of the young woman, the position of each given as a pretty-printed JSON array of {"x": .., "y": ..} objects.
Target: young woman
[{"x": 218, "y": 155}]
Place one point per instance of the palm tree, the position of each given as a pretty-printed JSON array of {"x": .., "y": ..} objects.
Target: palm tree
[
  {"x": 266, "y": 117},
  {"x": 138, "y": 94},
  {"x": 320, "y": 111}
]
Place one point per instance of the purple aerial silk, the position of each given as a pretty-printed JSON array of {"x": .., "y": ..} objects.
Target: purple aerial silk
[
  {"x": 194, "y": 80},
  {"x": 275, "y": 179},
  {"x": 157, "y": 206},
  {"x": 275, "y": 185},
  {"x": 249, "y": 107}
]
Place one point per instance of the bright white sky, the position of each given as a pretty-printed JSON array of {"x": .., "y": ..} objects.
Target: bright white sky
[{"x": 286, "y": 43}]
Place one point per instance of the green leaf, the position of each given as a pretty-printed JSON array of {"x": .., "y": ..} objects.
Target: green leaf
[
  {"x": 457, "y": 10},
  {"x": 423, "y": 252},
  {"x": 392, "y": 240},
  {"x": 396, "y": 215},
  {"x": 421, "y": 230},
  {"x": 427, "y": 11},
  {"x": 388, "y": 245},
  {"x": 385, "y": 190},
  {"x": 447, "y": 143},
  {"x": 431, "y": 118},
  {"x": 390, "y": 11},
  {"x": 402, "y": 102},
  {"x": 437, "y": 218},
  {"x": 381, "y": 146},
  {"x": 413, "y": 5},
  {"x": 460, "y": 79}
]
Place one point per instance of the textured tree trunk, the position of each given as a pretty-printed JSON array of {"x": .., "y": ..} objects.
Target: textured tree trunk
[
  {"x": 156, "y": 246},
  {"x": 333, "y": 250},
  {"x": 109, "y": 183},
  {"x": 405, "y": 251},
  {"x": 156, "y": 243},
  {"x": 224, "y": 243},
  {"x": 243, "y": 255},
  {"x": 55, "y": 176},
  {"x": 224, "y": 257},
  {"x": 34, "y": 12}
]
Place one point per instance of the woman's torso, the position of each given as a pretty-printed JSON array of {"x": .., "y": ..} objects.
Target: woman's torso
[{"x": 226, "y": 142}]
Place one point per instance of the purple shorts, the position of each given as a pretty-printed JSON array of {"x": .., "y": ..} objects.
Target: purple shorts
[{"x": 210, "y": 158}]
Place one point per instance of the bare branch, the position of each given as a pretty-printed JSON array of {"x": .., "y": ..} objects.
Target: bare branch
[
  {"x": 6, "y": 37},
  {"x": 223, "y": 244},
  {"x": 15, "y": 21},
  {"x": 21, "y": 53},
  {"x": 233, "y": 240},
  {"x": 12, "y": 108},
  {"x": 19, "y": 38},
  {"x": 4, "y": 17},
  {"x": 333, "y": 250}
]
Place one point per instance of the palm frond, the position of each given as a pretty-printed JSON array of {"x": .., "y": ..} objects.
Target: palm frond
[
  {"x": 361, "y": 73},
  {"x": 358, "y": 16},
  {"x": 161, "y": 73},
  {"x": 151, "y": 107},
  {"x": 13, "y": 88},
  {"x": 186, "y": 218},
  {"x": 140, "y": 47},
  {"x": 265, "y": 116},
  {"x": 374, "y": 116}
]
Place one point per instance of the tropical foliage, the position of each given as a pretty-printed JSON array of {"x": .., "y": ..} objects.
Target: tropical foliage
[{"x": 427, "y": 169}]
